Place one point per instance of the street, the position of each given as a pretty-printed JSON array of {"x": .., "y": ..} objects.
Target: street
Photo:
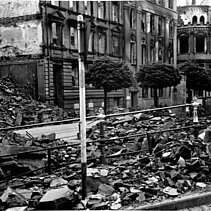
[{"x": 66, "y": 132}]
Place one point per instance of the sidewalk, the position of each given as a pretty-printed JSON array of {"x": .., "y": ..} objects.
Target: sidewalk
[{"x": 189, "y": 201}]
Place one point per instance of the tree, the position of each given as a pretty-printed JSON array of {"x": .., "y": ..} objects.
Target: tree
[
  {"x": 158, "y": 75},
  {"x": 197, "y": 77},
  {"x": 109, "y": 75}
]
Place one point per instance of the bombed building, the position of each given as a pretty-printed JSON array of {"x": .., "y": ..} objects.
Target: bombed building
[{"x": 38, "y": 46}]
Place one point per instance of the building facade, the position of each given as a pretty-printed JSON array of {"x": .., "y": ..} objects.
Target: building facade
[
  {"x": 194, "y": 40},
  {"x": 150, "y": 36},
  {"x": 38, "y": 46},
  {"x": 41, "y": 37}
]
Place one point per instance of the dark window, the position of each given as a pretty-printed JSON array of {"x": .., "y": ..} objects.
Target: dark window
[
  {"x": 194, "y": 21},
  {"x": 202, "y": 20},
  {"x": 143, "y": 53},
  {"x": 170, "y": 4},
  {"x": 160, "y": 92},
  {"x": 171, "y": 29},
  {"x": 144, "y": 92},
  {"x": 132, "y": 19},
  {"x": 152, "y": 23},
  {"x": 184, "y": 44},
  {"x": 160, "y": 26},
  {"x": 200, "y": 42},
  {"x": 91, "y": 8},
  {"x": 143, "y": 22}
]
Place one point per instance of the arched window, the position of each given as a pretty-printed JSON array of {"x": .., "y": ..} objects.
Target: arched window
[
  {"x": 184, "y": 44},
  {"x": 194, "y": 21},
  {"x": 200, "y": 43},
  {"x": 202, "y": 20}
]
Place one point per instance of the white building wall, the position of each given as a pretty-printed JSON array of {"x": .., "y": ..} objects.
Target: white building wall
[
  {"x": 24, "y": 38},
  {"x": 15, "y": 8}
]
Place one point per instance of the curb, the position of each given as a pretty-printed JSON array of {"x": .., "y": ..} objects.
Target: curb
[{"x": 181, "y": 203}]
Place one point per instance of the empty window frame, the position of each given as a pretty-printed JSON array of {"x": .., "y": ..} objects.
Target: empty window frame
[
  {"x": 132, "y": 19},
  {"x": 152, "y": 23},
  {"x": 152, "y": 53},
  {"x": 115, "y": 45},
  {"x": 101, "y": 9},
  {"x": 143, "y": 22},
  {"x": 91, "y": 41},
  {"x": 184, "y": 44},
  {"x": 160, "y": 49},
  {"x": 115, "y": 11},
  {"x": 101, "y": 43},
  {"x": 143, "y": 54},
  {"x": 160, "y": 26},
  {"x": 132, "y": 52},
  {"x": 171, "y": 29},
  {"x": 56, "y": 33},
  {"x": 73, "y": 38}
]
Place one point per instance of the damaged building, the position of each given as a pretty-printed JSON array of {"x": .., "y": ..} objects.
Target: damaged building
[
  {"x": 38, "y": 46},
  {"x": 194, "y": 41}
]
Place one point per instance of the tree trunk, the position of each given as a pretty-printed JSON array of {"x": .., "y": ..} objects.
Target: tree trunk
[
  {"x": 105, "y": 100},
  {"x": 155, "y": 98}
]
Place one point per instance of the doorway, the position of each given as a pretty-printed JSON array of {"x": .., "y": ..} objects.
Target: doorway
[{"x": 57, "y": 80}]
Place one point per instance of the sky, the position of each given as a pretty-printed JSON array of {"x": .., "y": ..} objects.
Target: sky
[{"x": 183, "y": 2}]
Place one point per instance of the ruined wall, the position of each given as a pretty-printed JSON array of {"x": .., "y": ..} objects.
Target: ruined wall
[
  {"x": 15, "y": 8},
  {"x": 24, "y": 38}
]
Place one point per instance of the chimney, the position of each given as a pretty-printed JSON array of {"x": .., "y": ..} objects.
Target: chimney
[{"x": 193, "y": 2}]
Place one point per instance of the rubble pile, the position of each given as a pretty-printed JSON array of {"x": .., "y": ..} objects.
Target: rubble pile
[
  {"x": 18, "y": 108},
  {"x": 179, "y": 164}
]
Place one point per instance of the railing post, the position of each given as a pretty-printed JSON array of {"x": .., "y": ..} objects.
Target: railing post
[
  {"x": 195, "y": 104},
  {"x": 149, "y": 143},
  {"x": 102, "y": 144},
  {"x": 79, "y": 131},
  {"x": 49, "y": 161},
  {"x": 102, "y": 116}
]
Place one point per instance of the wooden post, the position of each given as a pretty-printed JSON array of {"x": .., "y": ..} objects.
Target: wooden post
[{"x": 80, "y": 28}]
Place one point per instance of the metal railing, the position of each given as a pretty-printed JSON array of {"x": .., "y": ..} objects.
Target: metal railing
[{"x": 102, "y": 141}]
